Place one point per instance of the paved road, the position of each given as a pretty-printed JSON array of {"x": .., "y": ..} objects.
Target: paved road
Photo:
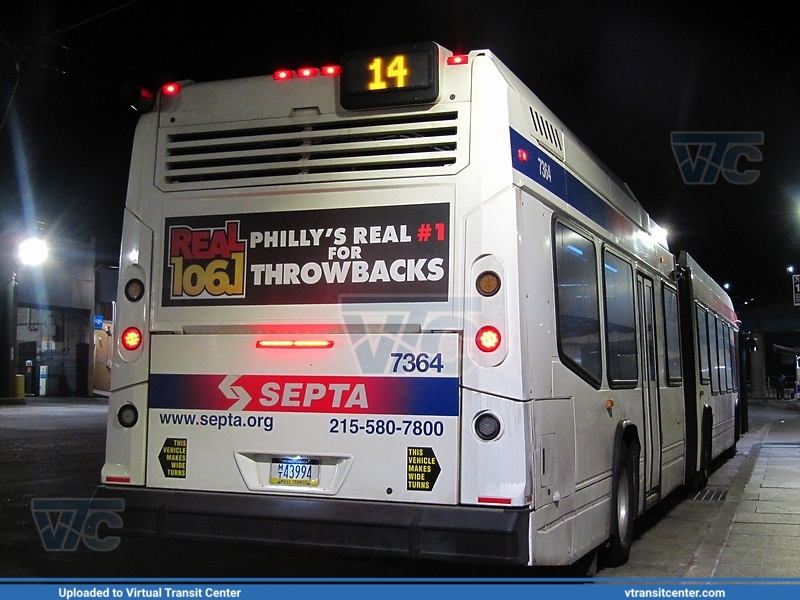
[
  {"x": 55, "y": 449},
  {"x": 714, "y": 533}
]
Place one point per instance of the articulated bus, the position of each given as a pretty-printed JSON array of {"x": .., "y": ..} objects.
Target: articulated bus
[{"x": 394, "y": 306}]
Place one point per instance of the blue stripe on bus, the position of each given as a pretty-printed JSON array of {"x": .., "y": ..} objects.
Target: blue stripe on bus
[
  {"x": 549, "y": 173},
  {"x": 432, "y": 396}
]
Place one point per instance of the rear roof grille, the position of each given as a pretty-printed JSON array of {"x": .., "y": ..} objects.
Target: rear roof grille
[
  {"x": 547, "y": 133},
  {"x": 272, "y": 153}
]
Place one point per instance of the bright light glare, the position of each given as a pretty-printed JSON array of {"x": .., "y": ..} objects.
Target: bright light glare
[{"x": 33, "y": 252}]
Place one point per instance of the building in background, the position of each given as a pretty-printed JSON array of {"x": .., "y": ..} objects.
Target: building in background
[
  {"x": 774, "y": 331},
  {"x": 54, "y": 326}
]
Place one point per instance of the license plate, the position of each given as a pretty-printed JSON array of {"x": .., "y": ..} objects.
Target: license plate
[{"x": 294, "y": 471}]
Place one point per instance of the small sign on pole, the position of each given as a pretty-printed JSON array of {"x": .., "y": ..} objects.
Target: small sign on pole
[{"x": 796, "y": 289}]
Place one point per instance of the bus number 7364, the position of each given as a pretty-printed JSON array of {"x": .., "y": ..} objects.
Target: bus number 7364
[{"x": 421, "y": 362}]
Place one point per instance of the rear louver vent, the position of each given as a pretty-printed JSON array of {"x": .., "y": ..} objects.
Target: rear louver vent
[
  {"x": 546, "y": 132},
  {"x": 236, "y": 155}
]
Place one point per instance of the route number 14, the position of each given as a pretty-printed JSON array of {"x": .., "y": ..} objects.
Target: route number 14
[{"x": 396, "y": 70}]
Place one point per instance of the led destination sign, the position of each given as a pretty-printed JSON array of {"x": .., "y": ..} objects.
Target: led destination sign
[{"x": 390, "y": 76}]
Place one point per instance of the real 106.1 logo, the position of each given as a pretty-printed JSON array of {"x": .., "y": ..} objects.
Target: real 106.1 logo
[
  {"x": 204, "y": 262},
  {"x": 397, "y": 253}
]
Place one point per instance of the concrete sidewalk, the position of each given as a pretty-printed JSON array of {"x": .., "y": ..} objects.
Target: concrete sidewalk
[{"x": 756, "y": 533}]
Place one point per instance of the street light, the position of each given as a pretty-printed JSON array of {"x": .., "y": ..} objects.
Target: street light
[
  {"x": 30, "y": 252},
  {"x": 33, "y": 252}
]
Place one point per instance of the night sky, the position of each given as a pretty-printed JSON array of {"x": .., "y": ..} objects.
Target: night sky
[{"x": 622, "y": 79}]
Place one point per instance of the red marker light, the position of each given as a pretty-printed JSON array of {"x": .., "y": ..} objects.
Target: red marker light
[
  {"x": 294, "y": 344},
  {"x": 458, "y": 59},
  {"x": 522, "y": 155},
  {"x": 331, "y": 70},
  {"x": 306, "y": 72},
  {"x": 131, "y": 339},
  {"x": 488, "y": 338},
  {"x": 170, "y": 89},
  {"x": 283, "y": 74},
  {"x": 490, "y": 500},
  {"x": 112, "y": 479}
]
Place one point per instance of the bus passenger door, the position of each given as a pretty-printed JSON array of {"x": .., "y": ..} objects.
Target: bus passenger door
[{"x": 650, "y": 398}]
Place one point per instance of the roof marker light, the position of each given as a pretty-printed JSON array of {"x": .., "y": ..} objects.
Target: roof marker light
[
  {"x": 458, "y": 59},
  {"x": 283, "y": 74},
  {"x": 294, "y": 344},
  {"x": 331, "y": 70},
  {"x": 170, "y": 89},
  {"x": 307, "y": 72}
]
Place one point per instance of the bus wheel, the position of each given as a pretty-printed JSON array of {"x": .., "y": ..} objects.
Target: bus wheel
[
  {"x": 618, "y": 549},
  {"x": 701, "y": 479},
  {"x": 585, "y": 566},
  {"x": 702, "y": 475}
]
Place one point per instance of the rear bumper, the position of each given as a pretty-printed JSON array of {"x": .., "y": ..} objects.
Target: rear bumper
[{"x": 470, "y": 534}]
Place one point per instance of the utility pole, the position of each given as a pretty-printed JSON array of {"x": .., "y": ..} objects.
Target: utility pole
[{"x": 8, "y": 326}]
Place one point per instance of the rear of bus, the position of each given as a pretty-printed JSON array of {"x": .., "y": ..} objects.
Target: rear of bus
[{"x": 291, "y": 329}]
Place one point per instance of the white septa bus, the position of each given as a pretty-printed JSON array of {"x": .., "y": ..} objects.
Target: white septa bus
[{"x": 397, "y": 307}]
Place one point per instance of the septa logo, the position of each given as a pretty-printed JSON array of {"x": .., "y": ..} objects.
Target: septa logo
[{"x": 206, "y": 261}]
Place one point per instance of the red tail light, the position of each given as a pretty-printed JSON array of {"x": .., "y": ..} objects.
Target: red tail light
[
  {"x": 131, "y": 338},
  {"x": 488, "y": 338}
]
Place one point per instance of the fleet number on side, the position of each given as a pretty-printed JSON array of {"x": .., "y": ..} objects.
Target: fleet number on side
[{"x": 422, "y": 362}]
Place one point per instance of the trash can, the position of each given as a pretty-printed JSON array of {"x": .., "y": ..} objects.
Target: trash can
[{"x": 19, "y": 386}]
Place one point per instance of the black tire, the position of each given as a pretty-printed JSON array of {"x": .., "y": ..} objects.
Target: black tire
[
  {"x": 586, "y": 566},
  {"x": 623, "y": 509},
  {"x": 701, "y": 477},
  {"x": 730, "y": 452}
]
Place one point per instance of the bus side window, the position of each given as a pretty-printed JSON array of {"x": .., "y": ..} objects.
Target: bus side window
[
  {"x": 702, "y": 345},
  {"x": 672, "y": 347},
  {"x": 577, "y": 303},
  {"x": 734, "y": 353},
  {"x": 621, "y": 354},
  {"x": 713, "y": 344},
  {"x": 724, "y": 357}
]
